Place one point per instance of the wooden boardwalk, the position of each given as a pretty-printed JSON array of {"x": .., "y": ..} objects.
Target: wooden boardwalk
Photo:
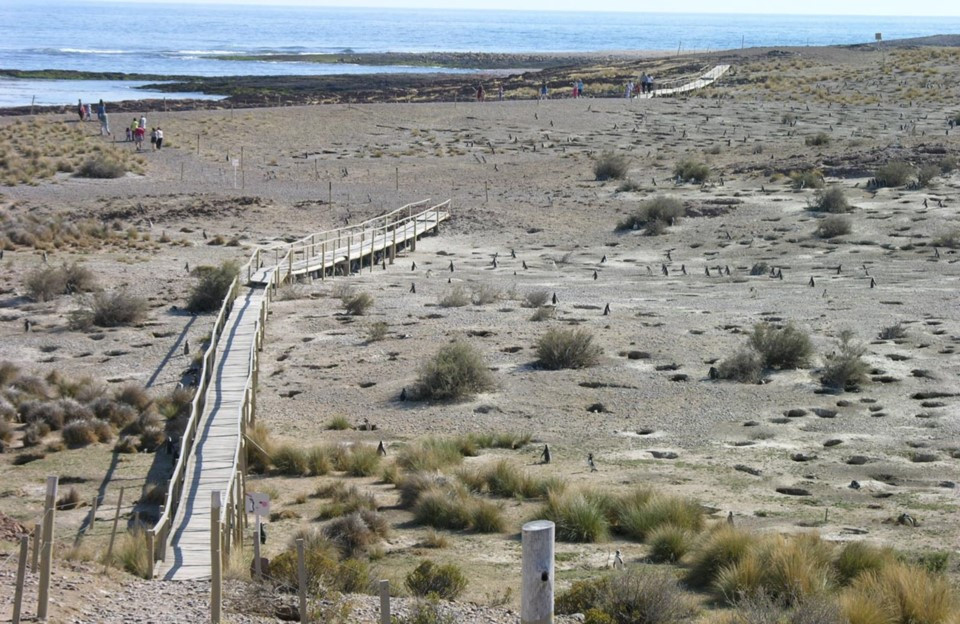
[
  {"x": 213, "y": 445},
  {"x": 213, "y": 463},
  {"x": 705, "y": 80}
]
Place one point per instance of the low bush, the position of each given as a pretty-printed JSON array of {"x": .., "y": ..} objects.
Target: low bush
[
  {"x": 893, "y": 332},
  {"x": 949, "y": 239},
  {"x": 212, "y": 287},
  {"x": 339, "y": 423},
  {"x": 357, "y": 460},
  {"x": 900, "y": 593},
  {"x": 290, "y": 460},
  {"x": 831, "y": 199},
  {"x": 833, "y": 226},
  {"x": 445, "y": 581},
  {"x": 927, "y": 173},
  {"x": 669, "y": 543},
  {"x": 688, "y": 170},
  {"x": 784, "y": 347},
  {"x": 69, "y": 500},
  {"x": 443, "y": 506},
  {"x": 116, "y": 309},
  {"x": 632, "y": 596},
  {"x": 45, "y": 283},
  {"x": 536, "y": 298},
  {"x": 377, "y": 331},
  {"x": 132, "y": 554},
  {"x": 484, "y": 294},
  {"x": 431, "y": 454},
  {"x": 507, "y": 479},
  {"x": 845, "y": 368},
  {"x": 948, "y": 164},
  {"x": 654, "y": 215},
  {"x": 723, "y": 546},
  {"x": 567, "y": 348},
  {"x": 458, "y": 297},
  {"x": 319, "y": 461},
  {"x": 894, "y": 173},
  {"x": 818, "y": 139},
  {"x": 639, "y": 514},
  {"x": 79, "y": 433},
  {"x": 610, "y": 166},
  {"x": 344, "y": 500},
  {"x": 259, "y": 449},
  {"x": 856, "y": 558},
  {"x": 324, "y": 570},
  {"x": 542, "y": 314},
  {"x": 809, "y": 179},
  {"x": 744, "y": 366},
  {"x": 101, "y": 167},
  {"x": 355, "y": 533},
  {"x": 456, "y": 372},
  {"x": 358, "y": 304}
]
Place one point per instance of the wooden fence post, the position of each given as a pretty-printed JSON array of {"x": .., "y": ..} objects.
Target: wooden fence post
[
  {"x": 21, "y": 574},
  {"x": 93, "y": 514},
  {"x": 323, "y": 261},
  {"x": 302, "y": 578},
  {"x": 151, "y": 552},
  {"x": 256, "y": 549},
  {"x": 116, "y": 520},
  {"x": 37, "y": 528},
  {"x": 537, "y": 584},
  {"x": 46, "y": 548},
  {"x": 384, "y": 602},
  {"x": 215, "y": 561}
]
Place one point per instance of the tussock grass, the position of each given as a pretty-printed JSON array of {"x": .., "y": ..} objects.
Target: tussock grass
[
  {"x": 856, "y": 558},
  {"x": 79, "y": 433},
  {"x": 457, "y": 371},
  {"x": 579, "y": 518},
  {"x": 634, "y": 596},
  {"x": 567, "y": 348},
  {"x": 643, "y": 512},
  {"x": 721, "y": 547},
  {"x": 446, "y": 581},
  {"x": 259, "y": 449},
  {"x": 817, "y": 140},
  {"x": 344, "y": 500},
  {"x": 901, "y": 594},
  {"x": 290, "y": 460},
  {"x": 102, "y": 166},
  {"x": 113, "y": 309},
  {"x": 131, "y": 553},
  {"x": 325, "y": 571},
  {"x": 377, "y": 331},
  {"x": 339, "y": 423},
  {"x": 457, "y": 297},
  {"x": 744, "y": 366},
  {"x": 785, "y": 569},
  {"x": 446, "y": 506},
  {"x": 357, "y": 460},
  {"x": 669, "y": 543},
  {"x": 536, "y": 298},
  {"x": 507, "y": 479},
  {"x": 355, "y": 533}
]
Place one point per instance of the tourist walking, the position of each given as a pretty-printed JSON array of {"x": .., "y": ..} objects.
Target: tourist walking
[
  {"x": 579, "y": 88},
  {"x": 500, "y": 91},
  {"x": 159, "y": 137},
  {"x": 143, "y": 122},
  {"x": 138, "y": 137},
  {"x": 629, "y": 90},
  {"x": 480, "y": 93},
  {"x": 573, "y": 92},
  {"x": 104, "y": 121},
  {"x": 80, "y": 109},
  {"x": 133, "y": 127},
  {"x": 153, "y": 139},
  {"x": 543, "y": 90}
]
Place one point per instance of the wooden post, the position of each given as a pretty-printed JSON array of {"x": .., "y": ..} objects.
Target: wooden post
[
  {"x": 46, "y": 548},
  {"x": 413, "y": 241},
  {"x": 93, "y": 514},
  {"x": 329, "y": 192},
  {"x": 349, "y": 263},
  {"x": 151, "y": 552},
  {"x": 21, "y": 574},
  {"x": 258, "y": 573},
  {"x": 398, "y": 178},
  {"x": 323, "y": 261},
  {"x": 384, "y": 602},
  {"x": 37, "y": 528},
  {"x": 116, "y": 520},
  {"x": 302, "y": 577},
  {"x": 536, "y": 596},
  {"x": 215, "y": 561},
  {"x": 393, "y": 247}
]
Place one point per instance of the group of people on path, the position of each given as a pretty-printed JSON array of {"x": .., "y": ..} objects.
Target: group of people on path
[
  {"x": 643, "y": 85},
  {"x": 138, "y": 130},
  {"x": 482, "y": 94},
  {"x": 86, "y": 114}
]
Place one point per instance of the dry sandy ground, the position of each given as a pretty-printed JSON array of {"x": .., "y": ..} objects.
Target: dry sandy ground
[{"x": 520, "y": 178}]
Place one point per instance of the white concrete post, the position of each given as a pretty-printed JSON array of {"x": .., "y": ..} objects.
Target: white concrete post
[{"x": 537, "y": 585}]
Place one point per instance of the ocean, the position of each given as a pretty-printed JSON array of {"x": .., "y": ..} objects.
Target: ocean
[{"x": 184, "y": 39}]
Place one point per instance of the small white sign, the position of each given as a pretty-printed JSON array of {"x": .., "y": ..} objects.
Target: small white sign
[
  {"x": 236, "y": 162},
  {"x": 258, "y": 503}
]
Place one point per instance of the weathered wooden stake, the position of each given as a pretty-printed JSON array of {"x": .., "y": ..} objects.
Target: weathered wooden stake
[
  {"x": 384, "y": 602},
  {"x": 329, "y": 192},
  {"x": 256, "y": 550},
  {"x": 37, "y": 528},
  {"x": 93, "y": 514},
  {"x": 215, "y": 561},
  {"x": 46, "y": 548},
  {"x": 21, "y": 575},
  {"x": 537, "y": 584},
  {"x": 302, "y": 578}
]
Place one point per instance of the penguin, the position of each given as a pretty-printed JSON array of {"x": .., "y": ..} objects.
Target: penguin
[
  {"x": 513, "y": 254},
  {"x": 186, "y": 347},
  {"x": 595, "y": 275},
  {"x": 663, "y": 268},
  {"x": 812, "y": 283},
  {"x": 606, "y": 310},
  {"x": 545, "y": 455},
  {"x": 403, "y": 394},
  {"x": 381, "y": 449},
  {"x": 603, "y": 259},
  {"x": 555, "y": 300},
  {"x": 413, "y": 267},
  {"x": 451, "y": 266},
  {"x": 525, "y": 265},
  {"x": 413, "y": 288}
]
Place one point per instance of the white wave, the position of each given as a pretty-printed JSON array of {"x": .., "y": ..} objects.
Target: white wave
[
  {"x": 206, "y": 52},
  {"x": 86, "y": 51}
]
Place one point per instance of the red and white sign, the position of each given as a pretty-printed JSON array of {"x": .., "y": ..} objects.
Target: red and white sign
[{"x": 258, "y": 504}]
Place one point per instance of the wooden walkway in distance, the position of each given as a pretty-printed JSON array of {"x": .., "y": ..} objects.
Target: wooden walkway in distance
[
  {"x": 212, "y": 464},
  {"x": 705, "y": 80},
  {"x": 378, "y": 242}
]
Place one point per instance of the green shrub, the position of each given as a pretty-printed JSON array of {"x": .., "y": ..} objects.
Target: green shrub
[
  {"x": 610, "y": 166},
  {"x": 324, "y": 570},
  {"x": 811, "y": 178},
  {"x": 784, "y": 347},
  {"x": 818, "y": 139},
  {"x": 894, "y": 173},
  {"x": 567, "y": 348},
  {"x": 344, "y": 500},
  {"x": 486, "y": 517},
  {"x": 359, "y": 460},
  {"x": 377, "y": 331},
  {"x": 445, "y": 581},
  {"x": 507, "y": 479},
  {"x": 431, "y": 454},
  {"x": 318, "y": 461},
  {"x": 442, "y": 508},
  {"x": 578, "y": 518},
  {"x": 457, "y": 371},
  {"x": 358, "y": 304},
  {"x": 831, "y": 199},
  {"x": 116, "y": 309},
  {"x": 212, "y": 287},
  {"x": 744, "y": 366},
  {"x": 689, "y": 170},
  {"x": 845, "y": 368},
  {"x": 856, "y": 558},
  {"x": 290, "y": 460},
  {"x": 101, "y": 167},
  {"x": 722, "y": 547},
  {"x": 638, "y": 516},
  {"x": 339, "y": 423},
  {"x": 654, "y": 215},
  {"x": 833, "y": 226}
]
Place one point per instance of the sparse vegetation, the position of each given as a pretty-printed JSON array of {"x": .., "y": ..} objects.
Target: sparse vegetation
[
  {"x": 845, "y": 369},
  {"x": 45, "y": 283},
  {"x": 445, "y": 581},
  {"x": 377, "y": 331},
  {"x": 927, "y": 173},
  {"x": 833, "y": 226},
  {"x": 817, "y": 140},
  {"x": 781, "y": 347},
  {"x": 102, "y": 167},
  {"x": 688, "y": 170},
  {"x": 212, "y": 287},
  {"x": 358, "y": 304},
  {"x": 831, "y": 199},
  {"x": 110, "y": 309},
  {"x": 894, "y": 173},
  {"x": 610, "y": 166},
  {"x": 536, "y": 298},
  {"x": 654, "y": 216},
  {"x": 457, "y": 297},
  {"x": 744, "y": 366},
  {"x": 456, "y": 372},
  {"x": 567, "y": 348},
  {"x": 632, "y": 596},
  {"x": 809, "y": 179}
]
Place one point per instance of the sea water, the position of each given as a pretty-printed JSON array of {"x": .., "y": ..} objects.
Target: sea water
[{"x": 186, "y": 39}]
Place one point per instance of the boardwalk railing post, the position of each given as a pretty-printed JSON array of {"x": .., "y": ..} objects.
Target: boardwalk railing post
[
  {"x": 302, "y": 582},
  {"x": 37, "y": 528},
  {"x": 384, "y": 602},
  {"x": 151, "y": 552},
  {"x": 258, "y": 572},
  {"x": 21, "y": 574},
  {"x": 46, "y": 548},
  {"x": 215, "y": 571},
  {"x": 349, "y": 247},
  {"x": 323, "y": 261},
  {"x": 537, "y": 584},
  {"x": 113, "y": 531}
]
